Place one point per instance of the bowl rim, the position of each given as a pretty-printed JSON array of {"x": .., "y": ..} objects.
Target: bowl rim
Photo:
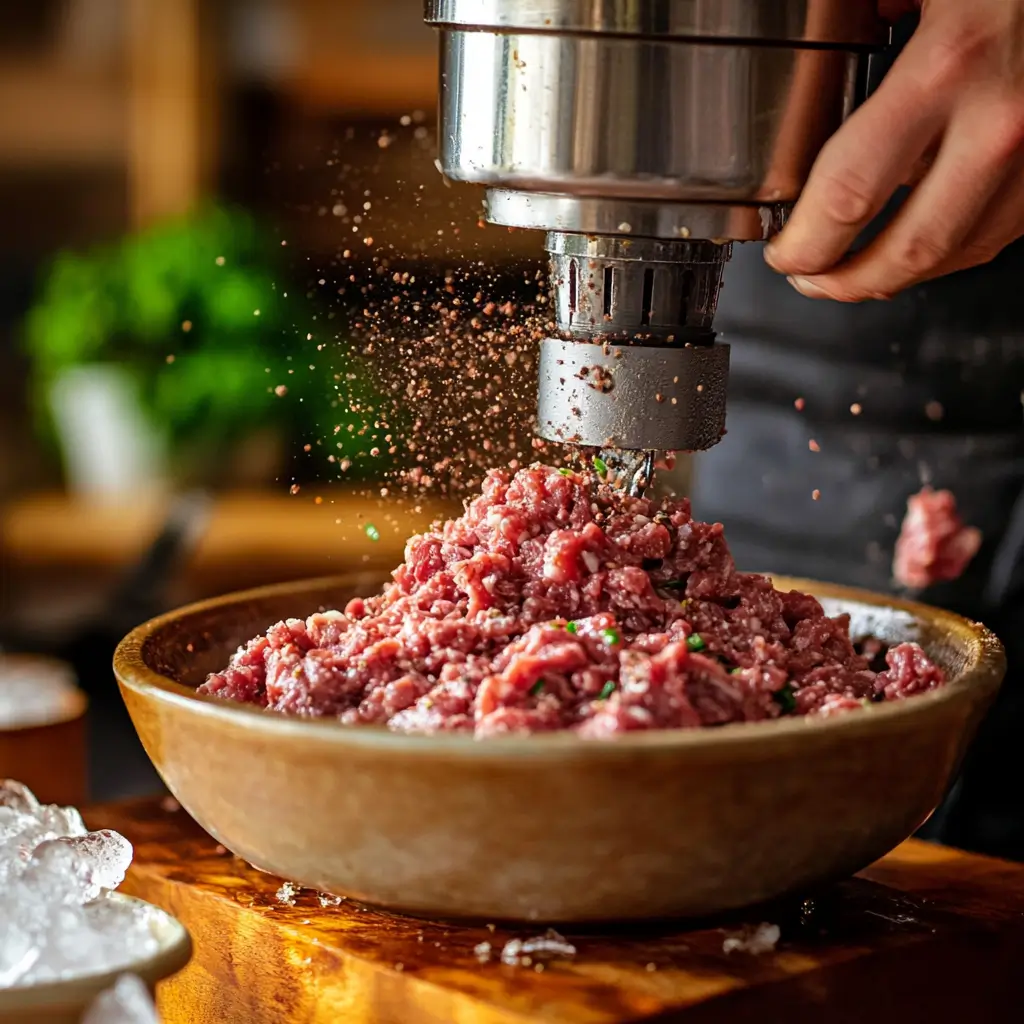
[
  {"x": 981, "y": 677},
  {"x": 174, "y": 953}
]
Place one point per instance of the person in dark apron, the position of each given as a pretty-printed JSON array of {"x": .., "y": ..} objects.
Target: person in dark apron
[{"x": 924, "y": 388}]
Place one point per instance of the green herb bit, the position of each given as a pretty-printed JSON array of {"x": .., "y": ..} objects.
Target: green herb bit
[
  {"x": 735, "y": 671},
  {"x": 606, "y": 691},
  {"x": 601, "y": 466},
  {"x": 565, "y": 472},
  {"x": 571, "y": 627},
  {"x": 786, "y": 699},
  {"x": 674, "y": 584},
  {"x": 610, "y": 636},
  {"x": 537, "y": 688},
  {"x": 372, "y": 532},
  {"x": 695, "y": 642}
]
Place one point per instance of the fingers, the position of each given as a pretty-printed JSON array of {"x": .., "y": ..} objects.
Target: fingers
[
  {"x": 1000, "y": 224},
  {"x": 861, "y": 166},
  {"x": 922, "y": 165},
  {"x": 932, "y": 231}
]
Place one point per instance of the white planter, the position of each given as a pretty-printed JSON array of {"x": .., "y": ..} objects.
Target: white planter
[{"x": 111, "y": 451}]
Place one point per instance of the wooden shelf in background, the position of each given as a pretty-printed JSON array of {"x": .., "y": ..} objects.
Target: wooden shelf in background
[
  {"x": 251, "y": 538},
  {"x": 52, "y": 114}
]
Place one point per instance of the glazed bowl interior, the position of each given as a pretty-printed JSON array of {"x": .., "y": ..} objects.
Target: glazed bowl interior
[{"x": 663, "y": 823}]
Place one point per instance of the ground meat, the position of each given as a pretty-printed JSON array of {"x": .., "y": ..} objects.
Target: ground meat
[
  {"x": 556, "y": 602},
  {"x": 934, "y": 545}
]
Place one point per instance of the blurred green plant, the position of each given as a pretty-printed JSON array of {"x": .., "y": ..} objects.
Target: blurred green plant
[{"x": 194, "y": 311}]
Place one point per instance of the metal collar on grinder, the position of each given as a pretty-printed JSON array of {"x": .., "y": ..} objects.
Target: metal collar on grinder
[{"x": 638, "y": 366}]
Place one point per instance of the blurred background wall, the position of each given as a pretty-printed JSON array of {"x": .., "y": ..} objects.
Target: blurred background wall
[{"x": 208, "y": 209}]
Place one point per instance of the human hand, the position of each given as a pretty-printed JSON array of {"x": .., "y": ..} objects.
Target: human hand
[{"x": 948, "y": 119}]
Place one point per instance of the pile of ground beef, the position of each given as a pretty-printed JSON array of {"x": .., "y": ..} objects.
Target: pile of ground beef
[
  {"x": 556, "y": 602},
  {"x": 934, "y": 545}
]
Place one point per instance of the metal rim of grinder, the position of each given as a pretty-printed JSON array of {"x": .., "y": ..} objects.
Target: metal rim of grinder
[{"x": 645, "y": 137}]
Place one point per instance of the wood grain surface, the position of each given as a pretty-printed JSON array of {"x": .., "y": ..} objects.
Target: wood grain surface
[{"x": 927, "y": 934}]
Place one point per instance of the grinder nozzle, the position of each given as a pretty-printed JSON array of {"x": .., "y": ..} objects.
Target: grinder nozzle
[{"x": 637, "y": 366}]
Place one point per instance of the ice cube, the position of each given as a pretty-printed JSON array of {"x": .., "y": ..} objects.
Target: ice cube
[
  {"x": 18, "y": 952},
  {"x": 523, "y": 952},
  {"x": 754, "y": 940},
  {"x": 56, "y": 917},
  {"x": 108, "y": 853},
  {"x": 18, "y": 797},
  {"x": 286, "y": 894},
  {"x": 76, "y": 869},
  {"x": 62, "y": 821},
  {"x": 128, "y": 1002},
  {"x": 56, "y": 874}
]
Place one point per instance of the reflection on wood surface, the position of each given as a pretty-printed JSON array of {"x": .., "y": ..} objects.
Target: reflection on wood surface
[{"x": 928, "y": 933}]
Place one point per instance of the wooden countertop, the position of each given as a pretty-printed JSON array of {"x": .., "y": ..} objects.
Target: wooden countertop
[{"x": 926, "y": 934}]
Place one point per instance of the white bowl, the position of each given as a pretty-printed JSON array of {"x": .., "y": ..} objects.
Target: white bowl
[{"x": 64, "y": 1002}]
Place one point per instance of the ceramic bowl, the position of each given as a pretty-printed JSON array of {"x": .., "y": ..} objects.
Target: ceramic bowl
[
  {"x": 551, "y": 827},
  {"x": 64, "y": 1002},
  {"x": 43, "y": 743}
]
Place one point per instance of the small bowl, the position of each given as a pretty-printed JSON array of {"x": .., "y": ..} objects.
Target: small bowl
[
  {"x": 45, "y": 747},
  {"x": 668, "y": 823},
  {"x": 64, "y": 1002}
]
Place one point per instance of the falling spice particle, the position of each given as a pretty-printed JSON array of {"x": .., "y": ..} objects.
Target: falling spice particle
[
  {"x": 813, "y": 445},
  {"x": 816, "y": 494},
  {"x": 934, "y": 411},
  {"x": 170, "y": 359},
  {"x": 186, "y": 326},
  {"x": 371, "y": 531},
  {"x": 856, "y": 409},
  {"x": 281, "y": 390},
  {"x": 799, "y": 405},
  {"x": 294, "y": 489}
]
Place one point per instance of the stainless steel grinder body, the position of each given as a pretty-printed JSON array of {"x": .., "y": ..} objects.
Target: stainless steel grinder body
[{"x": 645, "y": 136}]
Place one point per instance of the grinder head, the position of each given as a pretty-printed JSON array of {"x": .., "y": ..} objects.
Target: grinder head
[
  {"x": 636, "y": 365},
  {"x": 645, "y": 136}
]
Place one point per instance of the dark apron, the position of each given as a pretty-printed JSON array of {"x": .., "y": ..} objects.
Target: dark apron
[{"x": 938, "y": 374}]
